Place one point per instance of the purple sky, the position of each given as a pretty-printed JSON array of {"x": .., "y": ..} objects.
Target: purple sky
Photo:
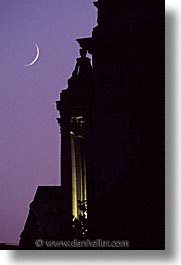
[{"x": 29, "y": 133}]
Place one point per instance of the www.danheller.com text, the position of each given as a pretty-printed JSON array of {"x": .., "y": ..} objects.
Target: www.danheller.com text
[{"x": 98, "y": 243}]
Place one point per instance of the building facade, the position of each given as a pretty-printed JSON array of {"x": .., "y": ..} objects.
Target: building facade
[
  {"x": 122, "y": 109},
  {"x": 112, "y": 135},
  {"x": 74, "y": 108}
]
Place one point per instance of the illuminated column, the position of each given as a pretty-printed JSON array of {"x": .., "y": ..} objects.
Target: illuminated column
[
  {"x": 77, "y": 134},
  {"x": 74, "y": 184}
]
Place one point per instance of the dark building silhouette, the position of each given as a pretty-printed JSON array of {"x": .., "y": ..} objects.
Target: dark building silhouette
[
  {"x": 123, "y": 114},
  {"x": 112, "y": 129},
  {"x": 74, "y": 108},
  {"x": 45, "y": 220}
]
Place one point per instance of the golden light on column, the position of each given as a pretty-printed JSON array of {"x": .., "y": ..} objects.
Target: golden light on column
[
  {"x": 74, "y": 185},
  {"x": 79, "y": 192}
]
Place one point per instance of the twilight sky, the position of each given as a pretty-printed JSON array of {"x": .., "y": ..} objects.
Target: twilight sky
[{"x": 29, "y": 133}]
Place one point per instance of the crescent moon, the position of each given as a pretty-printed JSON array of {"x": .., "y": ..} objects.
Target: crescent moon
[{"x": 36, "y": 57}]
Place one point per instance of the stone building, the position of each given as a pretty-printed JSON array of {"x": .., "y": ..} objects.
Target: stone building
[
  {"x": 112, "y": 129},
  {"x": 118, "y": 110}
]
